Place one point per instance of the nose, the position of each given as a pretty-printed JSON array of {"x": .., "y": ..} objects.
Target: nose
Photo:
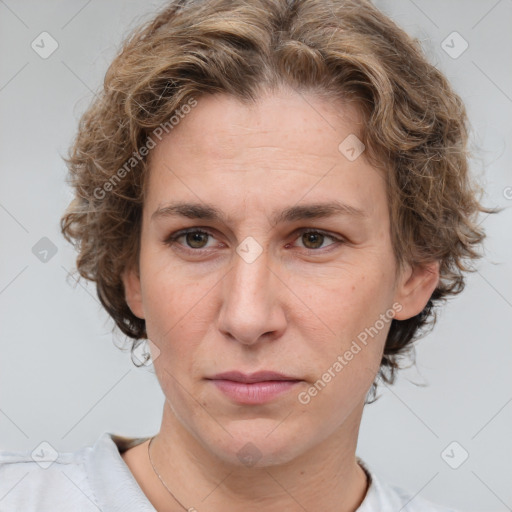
[{"x": 252, "y": 308}]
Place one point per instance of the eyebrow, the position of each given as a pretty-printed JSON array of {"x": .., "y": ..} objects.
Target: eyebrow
[{"x": 290, "y": 214}]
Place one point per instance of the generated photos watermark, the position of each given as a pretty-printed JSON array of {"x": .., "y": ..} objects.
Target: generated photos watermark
[
  {"x": 143, "y": 151},
  {"x": 304, "y": 397}
]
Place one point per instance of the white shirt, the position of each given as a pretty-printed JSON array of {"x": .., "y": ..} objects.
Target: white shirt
[{"x": 96, "y": 478}]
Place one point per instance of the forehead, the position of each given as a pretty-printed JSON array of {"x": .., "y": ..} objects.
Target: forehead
[
  {"x": 222, "y": 126},
  {"x": 283, "y": 147}
]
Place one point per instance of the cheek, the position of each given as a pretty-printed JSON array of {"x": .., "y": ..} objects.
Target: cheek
[
  {"x": 348, "y": 316},
  {"x": 179, "y": 315},
  {"x": 350, "y": 300},
  {"x": 172, "y": 299}
]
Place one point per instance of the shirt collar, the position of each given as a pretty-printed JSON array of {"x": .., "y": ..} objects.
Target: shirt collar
[
  {"x": 117, "y": 490},
  {"x": 112, "y": 481}
]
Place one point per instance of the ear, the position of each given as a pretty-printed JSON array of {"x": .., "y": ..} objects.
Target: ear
[
  {"x": 415, "y": 287},
  {"x": 133, "y": 291}
]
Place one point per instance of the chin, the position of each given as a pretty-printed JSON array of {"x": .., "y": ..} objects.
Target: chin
[{"x": 259, "y": 443}]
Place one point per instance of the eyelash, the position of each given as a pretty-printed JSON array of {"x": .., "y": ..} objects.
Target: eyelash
[{"x": 173, "y": 237}]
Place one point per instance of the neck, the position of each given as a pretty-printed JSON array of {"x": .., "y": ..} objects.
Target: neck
[{"x": 326, "y": 477}]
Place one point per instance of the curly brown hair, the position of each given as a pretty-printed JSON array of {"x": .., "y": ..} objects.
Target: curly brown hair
[{"x": 415, "y": 128}]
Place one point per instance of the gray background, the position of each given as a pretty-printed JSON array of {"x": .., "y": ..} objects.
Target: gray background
[{"x": 64, "y": 381}]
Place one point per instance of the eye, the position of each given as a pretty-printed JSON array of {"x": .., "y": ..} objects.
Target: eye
[
  {"x": 196, "y": 240},
  {"x": 314, "y": 239}
]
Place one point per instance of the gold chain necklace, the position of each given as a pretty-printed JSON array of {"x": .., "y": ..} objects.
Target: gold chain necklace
[{"x": 162, "y": 480}]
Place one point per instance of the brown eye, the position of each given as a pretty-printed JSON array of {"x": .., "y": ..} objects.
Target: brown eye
[
  {"x": 196, "y": 239},
  {"x": 193, "y": 239},
  {"x": 315, "y": 240},
  {"x": 312, "y": 239}
]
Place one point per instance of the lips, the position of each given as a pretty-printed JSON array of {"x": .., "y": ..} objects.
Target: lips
[
  {"x": 254, "y": 388},
  {"x": 261, "y": 376}
]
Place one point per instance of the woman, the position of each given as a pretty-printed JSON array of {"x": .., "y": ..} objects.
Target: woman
[{"x": 276, "y": 195}]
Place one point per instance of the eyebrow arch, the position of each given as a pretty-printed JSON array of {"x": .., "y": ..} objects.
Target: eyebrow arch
[{"x": 290, "y": 214}]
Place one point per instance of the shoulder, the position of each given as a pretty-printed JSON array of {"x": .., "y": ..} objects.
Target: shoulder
[
  {"x": 48, "y": 480},
  {"x": 43, "y": 478},
  {"x": 386, "y": 497}
]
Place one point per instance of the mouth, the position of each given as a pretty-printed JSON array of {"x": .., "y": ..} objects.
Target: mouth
[
  {"x": 255, "y": 388},
  {"x": 261, "y": 376}
]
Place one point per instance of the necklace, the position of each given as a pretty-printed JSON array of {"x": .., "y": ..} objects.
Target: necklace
[
  {"x": 368, "y": 477},
  {"x": 161, "y": 479}
]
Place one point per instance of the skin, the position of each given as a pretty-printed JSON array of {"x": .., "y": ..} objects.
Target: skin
[{"x": 294, "y": 309}]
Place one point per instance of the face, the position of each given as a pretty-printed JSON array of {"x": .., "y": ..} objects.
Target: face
[{"x": 272, "y": 281}]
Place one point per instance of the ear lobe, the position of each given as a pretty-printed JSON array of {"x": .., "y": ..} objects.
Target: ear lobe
[
  {"x": 415, "y": 287},
  {"x": 133, "y": 292}
]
